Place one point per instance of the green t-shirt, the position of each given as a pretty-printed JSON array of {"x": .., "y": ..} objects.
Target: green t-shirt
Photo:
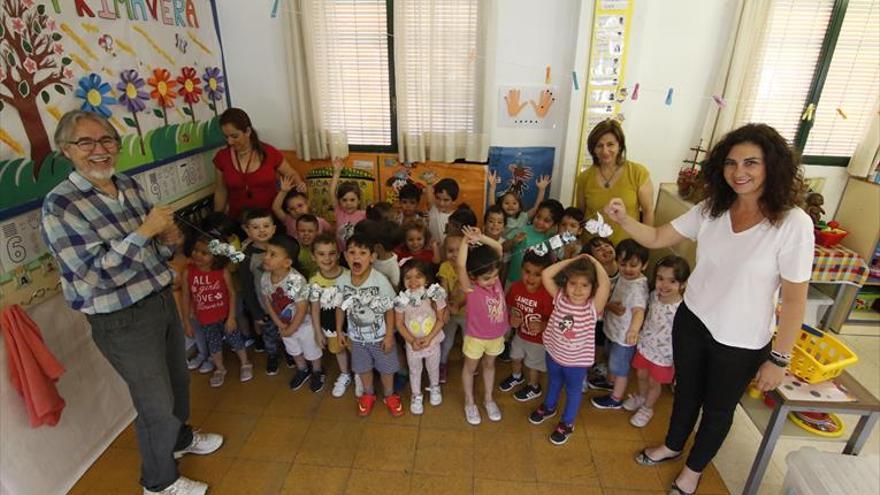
[
  {"x": 516, "y": 256},
  {"x": 306, "y": 262}
]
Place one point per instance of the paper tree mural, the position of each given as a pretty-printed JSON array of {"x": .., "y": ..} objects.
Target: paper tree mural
[{"x": 32, "y": 63}]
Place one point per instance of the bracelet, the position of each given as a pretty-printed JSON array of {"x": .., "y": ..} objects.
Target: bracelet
[{"x": 779, "y": 359}]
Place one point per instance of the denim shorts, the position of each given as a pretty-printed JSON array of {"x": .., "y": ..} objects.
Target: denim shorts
[{"x": 619, "y": 358}]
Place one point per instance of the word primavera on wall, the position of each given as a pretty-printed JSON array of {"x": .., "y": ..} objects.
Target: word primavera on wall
[{"x": 170, "y": 12}]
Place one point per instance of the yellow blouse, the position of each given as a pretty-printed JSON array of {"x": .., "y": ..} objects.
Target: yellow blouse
[{"x": 634, "y": 176}]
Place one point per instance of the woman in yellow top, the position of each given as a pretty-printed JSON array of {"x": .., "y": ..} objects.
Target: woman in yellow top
[{"x": 613, "y": 176}]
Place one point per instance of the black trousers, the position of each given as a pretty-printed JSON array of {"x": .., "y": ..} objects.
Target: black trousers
[{"x": 710, "y": 376}]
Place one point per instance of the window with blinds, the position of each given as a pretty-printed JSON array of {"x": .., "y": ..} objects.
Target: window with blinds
[
  {"x": 351, "y": 44},
  {"x": 852, "y": 83},
  {"x": 435, "y": 45},
  {"x": 825, "y": 52}
]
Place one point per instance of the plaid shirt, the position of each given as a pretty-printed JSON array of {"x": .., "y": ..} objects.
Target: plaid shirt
[{"x": 105, "y": 265}]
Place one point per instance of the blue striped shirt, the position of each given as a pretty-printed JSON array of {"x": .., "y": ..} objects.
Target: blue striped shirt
[{"x": 105, "y": 265}]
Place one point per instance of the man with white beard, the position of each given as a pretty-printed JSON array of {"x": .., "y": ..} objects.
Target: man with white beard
[{"x": 109, "y": 242}]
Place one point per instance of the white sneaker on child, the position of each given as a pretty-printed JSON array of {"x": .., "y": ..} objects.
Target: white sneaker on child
[
  {"x": 416, "y": 406},
  {"x": 194, "y": 363},
  {"x": 633, "y": 402},
  {"x": 358, "y": 386},
  {"x": 435, "y": 396},
  {"x": 641, "y": 417},
  {"x": 493, "y": 412},
  {"x": 206, "y": 367},
  {"x": 472, "y": 414},
  {"x": 183, "y": 486},
  {"x": 341, "y": 385}
]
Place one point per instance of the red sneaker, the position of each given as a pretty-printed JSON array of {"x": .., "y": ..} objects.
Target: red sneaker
[
  {"x": 365, "y": 404},
  {"x": 394, "y": 405}
]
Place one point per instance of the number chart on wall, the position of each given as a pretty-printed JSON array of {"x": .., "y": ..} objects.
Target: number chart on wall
[
  {"x": 605, "y": 71},
  {"x": 153, "y": 68}
]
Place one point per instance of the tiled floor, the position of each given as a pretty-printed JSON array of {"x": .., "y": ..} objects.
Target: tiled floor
[{"x": 278, "y": 441}]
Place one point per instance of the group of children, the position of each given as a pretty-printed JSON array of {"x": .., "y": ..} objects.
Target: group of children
[{"x": 386, "y": 290}]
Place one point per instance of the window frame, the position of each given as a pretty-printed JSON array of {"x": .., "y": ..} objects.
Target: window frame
[
  {"x": 820, "y": 73},
  {"x": 392, "y": 90}
]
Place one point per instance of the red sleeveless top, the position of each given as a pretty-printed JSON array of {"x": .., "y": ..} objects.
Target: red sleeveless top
[{"x": 209, "y": 295}]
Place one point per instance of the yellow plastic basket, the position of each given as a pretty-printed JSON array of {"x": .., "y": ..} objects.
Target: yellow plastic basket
[{"x": 818, "y": 356}]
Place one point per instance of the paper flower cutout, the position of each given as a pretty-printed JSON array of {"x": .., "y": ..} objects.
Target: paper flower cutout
[
  {"x": 130, "y": 94},
  {"x": 599, "y": 227},
  {"x": 218, "y": 248},
  {"x": 93, "y": 91}
]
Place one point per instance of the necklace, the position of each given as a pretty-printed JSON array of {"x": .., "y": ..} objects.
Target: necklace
[
  {"x": 243, "y": 170},
  {"x": 606, "y": 181}
]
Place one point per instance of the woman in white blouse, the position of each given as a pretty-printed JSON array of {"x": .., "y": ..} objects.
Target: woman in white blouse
[{"x": 751, "y": 238}]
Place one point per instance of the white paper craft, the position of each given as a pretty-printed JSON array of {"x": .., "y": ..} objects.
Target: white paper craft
[{"x": 599, "y": 227}]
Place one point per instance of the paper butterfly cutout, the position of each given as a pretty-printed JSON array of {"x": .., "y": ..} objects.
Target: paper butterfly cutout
[
  {"x": 553, "y": 243},
  {"x": 180, "y": 42},
  {"x": 599, "y": 227},
  {"x": 223, "y": 249}
]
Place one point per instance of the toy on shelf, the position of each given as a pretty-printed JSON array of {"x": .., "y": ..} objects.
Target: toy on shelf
[
  {"x": 818, "y": 356},
  {"x": 690, "y": 181},
  {"x": 814, "y": 203},
  {"x": 830, "y": 234},
  {"x": 827, "y": 425}
]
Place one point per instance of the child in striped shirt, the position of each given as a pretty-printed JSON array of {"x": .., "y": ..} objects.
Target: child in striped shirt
[{"x": 580, "y": 289}]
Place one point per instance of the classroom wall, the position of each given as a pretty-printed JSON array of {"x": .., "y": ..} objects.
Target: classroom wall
[{"x": 675, "y": 43}]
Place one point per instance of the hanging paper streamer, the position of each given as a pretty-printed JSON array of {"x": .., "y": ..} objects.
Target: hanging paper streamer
[
  {"x": 719, "y": 101},
  {"x": 635, "y": 95},
  {"x": 808, "y": 112},
  {"x": 574, "y": 80},
  {"x": 553, "y": 243},
  {"x": 415, "y": 298},
  {"x": 218, "y": 248},
  {"x": 840, "y": 112},
  {"x": 275, "y": 9},
  {"x": 547, "y": 76},
  {"x": 669, "y": 97},
  {"x": 620, "y": 117}
]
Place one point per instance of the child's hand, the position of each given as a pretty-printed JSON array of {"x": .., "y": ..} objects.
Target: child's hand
[
  {"x": 230, "y": 325},
  {"x": 632, "y": 336},
  {"x": 188, "y": 330},
  {"x": 388, "y": 343},
  {"x": 287, "y": 183},
  {"x": 494, "y": 178},
  {"x": 543, "y": 182},
  {"x": 338, "y": 165},
  {"x": 515, "y": 319},
  {"x": 342, "y": 339},
  {"x": 291, "y": 330},
  {"x": 321, "y": 340},
  {"x": 616, "y": 307},
  {"x": 518, "y": 238},
  {"x": 471, "y": 234}
]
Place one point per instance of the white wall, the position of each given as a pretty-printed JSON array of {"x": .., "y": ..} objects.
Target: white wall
[
  {"x": 674, "y": 43},
  {"x": 253, "y": 47}
]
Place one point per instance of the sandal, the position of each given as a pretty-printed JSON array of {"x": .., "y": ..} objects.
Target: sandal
[
  {"x": 643, "y": 459},
  {"x": 675, "y": 490}
]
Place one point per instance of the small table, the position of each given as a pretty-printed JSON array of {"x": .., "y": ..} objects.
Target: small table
[
  {"x": 845, "y": 268},
  {"x": 866, "y": 406}
]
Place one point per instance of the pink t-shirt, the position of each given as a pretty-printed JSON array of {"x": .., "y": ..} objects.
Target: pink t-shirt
[
  {"x": 487, "y": 312},
  {"x": 570, "y": 334},
  {"x": 345, "y": 223}
]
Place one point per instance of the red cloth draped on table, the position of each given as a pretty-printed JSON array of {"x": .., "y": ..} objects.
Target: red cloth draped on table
[{"x": 33, "y": 369}]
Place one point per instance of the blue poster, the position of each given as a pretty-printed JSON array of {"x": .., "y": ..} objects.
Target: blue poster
[{"x": 519, "y": 169}]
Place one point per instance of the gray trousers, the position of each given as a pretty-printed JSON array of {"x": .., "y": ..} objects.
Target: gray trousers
[{"x": 144, "y": 344}]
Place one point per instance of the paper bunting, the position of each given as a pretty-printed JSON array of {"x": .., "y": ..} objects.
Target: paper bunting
[
  {"x": 553, "y": 243},
  {"x": 719, "y": 101},
  {"x": 668, "y": 100},
  {"x": 414, "y": 298},
  {"x": 218, "y": 248},
  {"x": 635, "y": 95}
]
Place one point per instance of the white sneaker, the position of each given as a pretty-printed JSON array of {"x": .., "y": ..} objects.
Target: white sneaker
[
  {"x": 194, "y": 363},
  {"x": 416, "y": 406},
  {"x": 641, "y": 417},
  {"x": 358, "y": 386},
  {"x": 246, "y": 373},
  {"x": 206, "y": 367},
  {"x": 435, "y": 395},
  {"x": 202, "y": 444},
  {"x": 633, "y": 402},
  {"x": 493, "y": 411},
  {"x": 183, "y": 486},
  {"x": 472, "y": 414},
  {"x": 586, "y": 386},
  {"x": 341, "y": 385}
]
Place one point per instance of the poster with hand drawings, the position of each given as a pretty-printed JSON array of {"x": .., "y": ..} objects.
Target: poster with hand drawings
[
  {"x": 154, "y": 68},
  {"x": 528, "y": 107}
]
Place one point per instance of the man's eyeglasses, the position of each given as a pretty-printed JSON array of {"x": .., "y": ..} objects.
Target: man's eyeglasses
[{"x": 88, "y": 145}]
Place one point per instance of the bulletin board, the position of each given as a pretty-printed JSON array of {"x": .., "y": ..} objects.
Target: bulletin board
[
  {"x": 519, "y": 168},
  {"x": 606, "y": 68},
  {"x": 154, "y": 69}
]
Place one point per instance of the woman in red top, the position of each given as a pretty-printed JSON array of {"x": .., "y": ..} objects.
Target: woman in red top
[{"x": 248, "y": 168}]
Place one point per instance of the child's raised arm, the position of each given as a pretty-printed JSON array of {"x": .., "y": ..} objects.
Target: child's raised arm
[
  {"x": 549, "y": 274},
  {"x": 603, "y": 289},
  {"x": 337, "y": 172},
  {"x": 461, "y": 266},
  {"x": 287, "y": 184},
  {"x": 542, "y": 183},
  {"x": 494, "y": 180},
  {"x": 429, "y": 192}
]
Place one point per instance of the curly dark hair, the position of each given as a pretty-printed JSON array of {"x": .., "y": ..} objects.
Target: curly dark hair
[{"x": 783, "y": 185}]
